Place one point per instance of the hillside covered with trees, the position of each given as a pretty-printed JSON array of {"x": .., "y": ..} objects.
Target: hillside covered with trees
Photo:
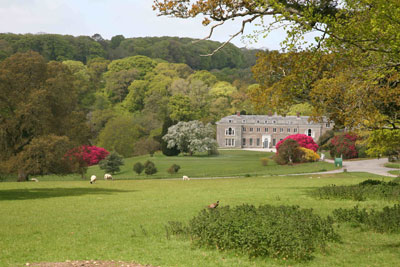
[{"x": 60, "y": 92}]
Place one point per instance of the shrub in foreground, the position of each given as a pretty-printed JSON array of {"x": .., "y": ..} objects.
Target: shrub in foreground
[
  {"x": 266, "y": 231},
  {"x": 373, "y": 189},
  {"x": 385, "y": 221}
]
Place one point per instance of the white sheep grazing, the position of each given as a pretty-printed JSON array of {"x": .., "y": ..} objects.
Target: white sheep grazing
[
  {"x": 185, "y": 178},
  {"x": 34, "y": 180},
  {"x": 93, "y": 179},
  {"x": 108, "y": 176}
]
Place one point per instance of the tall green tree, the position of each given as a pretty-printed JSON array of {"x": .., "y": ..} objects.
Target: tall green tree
[
  {"x": 120, "y": 134},
  {"x": 36, "y": 99}
]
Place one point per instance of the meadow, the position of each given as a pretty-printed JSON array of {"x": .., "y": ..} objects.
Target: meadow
[
  {"x": 229, "y": 163},
  {"x": 125, "y": 220}
]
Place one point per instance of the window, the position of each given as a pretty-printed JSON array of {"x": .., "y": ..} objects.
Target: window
[
  {"x": 266, "y": 130},
  {"x": 281, "y": 139},
  {"x": 328, "y": 125},
  {"x": 273, "y": 122},
  {"x": 258, "y": 141},
  {"x": 251, "y": 141},
  {"x": 309, "y": 132},
  {"x": 230, "y": 121},
  {"x": 244, "y": 129},
  {"x": 258, "y": 121},
  {"x": 265, "y": 122},
  {"x": 251, "y": 129},
  {"x": 273, "y": 142},
  {"x": 274, "y": 130},
  {"x": 258, "y": 129},
  {"x": 230, "y": 131},
  {"x": 229, "y": 142},
  {"x": 281, "y": 130},
  {"x": 244, "y": 141},
  {"x": 243, "y": 121},
  {"x": 295, "y": 130},
  {"x": 288, "y": 130}
]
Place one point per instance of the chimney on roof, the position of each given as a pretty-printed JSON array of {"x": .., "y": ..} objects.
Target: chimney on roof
[
  {"x": 238, "y": 113},
  {"x": 298, "y": 114}
]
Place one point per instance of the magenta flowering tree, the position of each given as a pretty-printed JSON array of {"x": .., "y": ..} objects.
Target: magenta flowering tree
[
  {"x": 91, "y": 155},
  {"x": 344, "y": 145},
  {"x": 82, "y": 157},
  {"x": 303, "y": 140}
]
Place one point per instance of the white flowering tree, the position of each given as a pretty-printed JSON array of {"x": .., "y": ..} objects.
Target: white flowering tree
[{"x": 191, "y": 137}]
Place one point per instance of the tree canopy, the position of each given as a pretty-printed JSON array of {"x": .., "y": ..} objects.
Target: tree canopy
[
  {"x": 350, "y": 73},
  {"x": 35, "y": 97}
]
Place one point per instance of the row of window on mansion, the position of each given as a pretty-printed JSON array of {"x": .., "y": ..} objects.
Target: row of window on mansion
[
  {"x": 251, "y": 142},
  {"x": 231, "y": 131}
]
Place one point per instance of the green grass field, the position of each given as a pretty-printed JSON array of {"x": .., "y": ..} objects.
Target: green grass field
[
  {"x": 125, "y": 219},
  {"x": 228, "y": 164}
]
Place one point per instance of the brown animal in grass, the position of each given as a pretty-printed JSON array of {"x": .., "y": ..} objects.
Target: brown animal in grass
[{"x": 213, "y": 205}]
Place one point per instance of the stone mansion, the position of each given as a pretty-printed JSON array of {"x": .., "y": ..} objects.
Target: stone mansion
[{"x": 262, "y": 131}]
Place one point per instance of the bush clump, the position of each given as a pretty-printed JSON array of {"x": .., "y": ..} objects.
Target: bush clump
[
  {"x": 150, "y": 168},
  {"x": 303, "y": 141},
  {"x": 173, "y": 169},
  {"x": 138, "y": 168},
  {"x": 344, "y": 145},
  {"x": 373, "y": 189},
  {"x": 285, "y": 232},
  {"x": 289, "y": 152},
  {"x": 309, "y": 155},
  {"x": 385, "y": 221},
  {"x": 264, "y": 161}
]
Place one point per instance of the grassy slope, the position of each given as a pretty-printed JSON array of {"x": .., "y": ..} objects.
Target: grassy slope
[
  {"x": 124, "y": 220},
  {"x": 228, "y": 163}
]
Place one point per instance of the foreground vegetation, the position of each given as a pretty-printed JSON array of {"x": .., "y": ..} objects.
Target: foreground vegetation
[
  {"x": 228, "y": 163},
  {"x": 125, "y": 220}
]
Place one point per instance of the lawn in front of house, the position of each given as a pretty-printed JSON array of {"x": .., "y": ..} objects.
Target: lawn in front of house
[
  {"x": 229, "y": 163},
  {"x": 125, "y": 220}
]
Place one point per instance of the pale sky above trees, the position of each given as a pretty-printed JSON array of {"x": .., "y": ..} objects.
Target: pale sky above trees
[{"x": 131, "y": 18}]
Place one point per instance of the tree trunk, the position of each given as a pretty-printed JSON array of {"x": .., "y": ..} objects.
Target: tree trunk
[{"x": 22, "y": 176}]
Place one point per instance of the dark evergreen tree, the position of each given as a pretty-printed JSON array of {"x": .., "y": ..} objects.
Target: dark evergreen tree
[
  {"x": 165, "y": 150},
  {"x": 112, "y": 163}
]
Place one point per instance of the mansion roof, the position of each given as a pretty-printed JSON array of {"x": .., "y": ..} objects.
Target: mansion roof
[{"x": 265, "y": 119}]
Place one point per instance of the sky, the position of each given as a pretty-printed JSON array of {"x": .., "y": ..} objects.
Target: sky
[{"x": 131, "y": 18}]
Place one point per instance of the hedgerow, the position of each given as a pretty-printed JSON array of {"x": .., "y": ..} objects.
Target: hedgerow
[
  {"x": 373, "y": 189},
  {"x": 385, "y": 221},
  {"x": 285, "y": 232}
]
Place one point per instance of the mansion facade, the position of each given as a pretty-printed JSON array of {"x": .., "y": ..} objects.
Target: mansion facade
[{"x": 262, "y": 131}]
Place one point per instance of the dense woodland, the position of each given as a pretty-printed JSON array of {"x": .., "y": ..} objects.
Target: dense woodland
[
  {"x": 115, "y": 94},
  {"x": 84, "y": 48}
]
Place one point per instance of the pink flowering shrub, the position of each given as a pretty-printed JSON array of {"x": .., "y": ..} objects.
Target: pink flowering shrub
[
  {"x": 344, "y": 144},
  {"x": 303, "y": 140},
  {"x": 90, "y": 155}
]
